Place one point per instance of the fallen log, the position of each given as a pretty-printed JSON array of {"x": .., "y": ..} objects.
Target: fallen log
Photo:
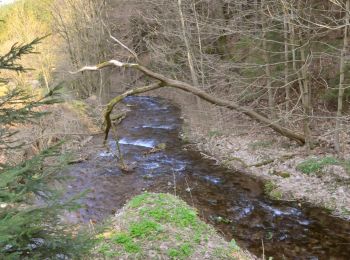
[{"x": 165, "y": 81}]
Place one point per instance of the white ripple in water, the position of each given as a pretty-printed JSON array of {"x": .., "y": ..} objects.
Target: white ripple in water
[
  {"x": 167, "y": 127},
  {"x": 284, "y": 212},
  {"x": 151, "y": 166},
  {"x": 138, "y": 142},
  {"x": 112, "y": 151},
  {"x": 212, "y": 179}
]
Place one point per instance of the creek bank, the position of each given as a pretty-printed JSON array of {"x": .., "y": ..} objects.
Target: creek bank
[
  {"x": 289, "y": 174},
  {"x": 231, "y": 201},
  {"x": 162, "y": 226}
]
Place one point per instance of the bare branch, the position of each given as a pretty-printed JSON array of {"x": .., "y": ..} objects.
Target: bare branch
[
  {"x": 125, "y": 47},
  {"x": 197, "y": 92}
]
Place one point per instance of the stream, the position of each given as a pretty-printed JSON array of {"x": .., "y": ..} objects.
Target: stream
[{"x": 231, "y": 201}]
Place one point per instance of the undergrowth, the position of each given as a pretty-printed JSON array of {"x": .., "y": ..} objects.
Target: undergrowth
[{"x": 271, "y": 189}]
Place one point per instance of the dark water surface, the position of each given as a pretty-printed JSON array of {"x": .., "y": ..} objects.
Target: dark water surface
[{"x": 232, "y": 201}]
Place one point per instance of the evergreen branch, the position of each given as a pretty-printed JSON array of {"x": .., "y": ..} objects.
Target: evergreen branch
[{"x": 8, "y": 60}]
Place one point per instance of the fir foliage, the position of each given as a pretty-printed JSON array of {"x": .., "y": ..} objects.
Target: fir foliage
[{"x": 30, "y": 203}]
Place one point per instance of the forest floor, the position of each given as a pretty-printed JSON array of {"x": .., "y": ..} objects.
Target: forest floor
[{"x": 288, "y": 172}]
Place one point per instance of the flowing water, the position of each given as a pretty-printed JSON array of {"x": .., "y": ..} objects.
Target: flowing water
[{"x": 232, "y": 201}]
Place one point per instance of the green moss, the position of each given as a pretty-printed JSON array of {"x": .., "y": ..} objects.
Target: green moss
[
  {"x": 182, "y": 252},
  {"x": 178, "y": 213},
  {"x": 282, "y": 174},
  {"x": 316, "y": 165},
  {"x": 127, "y": 242},
  {"x": 159, "y": 214},
  {"x": 144, "y": 228},
  {"x": 139, "y": 200},
  {"x": 271, "y": 189},
  {"x": 269, "y": 186},
  {"x": 276, "y": 194},
  {"x": 150, "y": 221}
]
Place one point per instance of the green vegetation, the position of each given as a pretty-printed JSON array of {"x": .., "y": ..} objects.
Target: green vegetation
[
  {"x": 30, "y": 224},
  {"x": 271, "y": 189},
  {"x": 162, "y": 226},
  {"x": 23, "y": 14},
  {"x": 316, "y": 165},
  {"x": 23, "y": 21}
]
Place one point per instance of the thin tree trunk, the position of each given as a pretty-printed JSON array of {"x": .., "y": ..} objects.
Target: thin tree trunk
[
  {"x": 271, "y": 102},
  {"x": 187, "y": 45},
  {"x": 303, "y": 81},
  {"x": 286, "y": 58},
  {"x": 307, "y": 100},
  {"x": 341, "y": 81},
  {"x": 199, "y": 41}
]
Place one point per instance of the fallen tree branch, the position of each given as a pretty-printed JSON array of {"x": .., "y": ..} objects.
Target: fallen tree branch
[
  {"x": 113, "y": 102},
  {"x": 268, "y": 161},
  {"x": 164, "y": 81},
  {"x": 231, "y": 158},
  {"x": 118, "y": 118},
  {"x": 263, "y": 163}
]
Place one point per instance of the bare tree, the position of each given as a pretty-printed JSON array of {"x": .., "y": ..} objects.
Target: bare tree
[{"x": 342, "y": 77}]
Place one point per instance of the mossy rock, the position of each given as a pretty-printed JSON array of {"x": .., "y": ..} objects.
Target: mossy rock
[{"x": 281, "y": 174}]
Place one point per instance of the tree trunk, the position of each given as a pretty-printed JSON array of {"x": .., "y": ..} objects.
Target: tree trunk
[
  {"x": 286, "y": 58},
  {"x": 306, "y": 100},
  {"x": 337, "y": 142},
  {"x": 187, "y": 45},
  {"x": 271, "y": 101}
]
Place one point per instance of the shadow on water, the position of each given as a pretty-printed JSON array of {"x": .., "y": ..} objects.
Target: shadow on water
[{"x": 232, "y": 201}]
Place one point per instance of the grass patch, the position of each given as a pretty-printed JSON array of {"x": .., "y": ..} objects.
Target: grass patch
[
  {"x": 161, "y": 226},
  {"x": 127, "y": 241},
  {"x": 316, "y": 165},
  {"x": 183, "y": 252},
  {"x": 144, "y": 228}
]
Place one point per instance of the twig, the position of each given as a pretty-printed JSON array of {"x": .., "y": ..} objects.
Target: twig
[
  {"x": 263, "y": 249},
  {"x": 190, "y": 191},
  {"x": 174, "y": 183},
  {"x": 125, "y": 47}
]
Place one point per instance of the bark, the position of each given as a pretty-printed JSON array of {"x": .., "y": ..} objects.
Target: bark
[
  {"x": 165, "y": 81},
  {"x": 342, "y": 79},
  {"x": 265, "y": 25},
  {"x": 296, "y": 39},
  {"x": 286, "y": 58},
  {"x": 304, "y": 37},
  {"x": 306, "y": 100},
  {"x": 188, "y": 46},
  {"x": 112, "y": 103}
]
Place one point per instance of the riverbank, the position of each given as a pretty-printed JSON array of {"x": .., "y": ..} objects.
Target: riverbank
[
  {"x": 289, "y": 174},
  {"x": 161, "y": 226},
  {"x": 232, "y": 202}
]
